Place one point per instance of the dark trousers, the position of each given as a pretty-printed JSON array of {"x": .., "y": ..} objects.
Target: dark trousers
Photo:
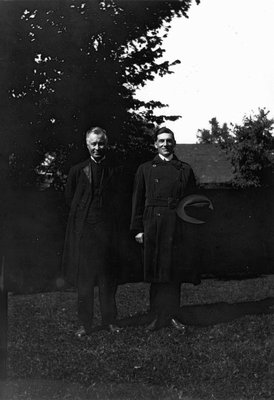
[
  {"x": 165, "y": 301},
  {"x": 95, "y": 268}
]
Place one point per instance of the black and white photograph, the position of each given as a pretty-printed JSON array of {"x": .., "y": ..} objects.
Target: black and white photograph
[{"x": 137, "y": 200}]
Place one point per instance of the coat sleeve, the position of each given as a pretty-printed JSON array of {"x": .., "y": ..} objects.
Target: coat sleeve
[
  {"x": 188, "y": 182},
  {"x": 70, "y": 186},
  {"x": 138, "y": 202},
  {"x": 191, "y": 187}
]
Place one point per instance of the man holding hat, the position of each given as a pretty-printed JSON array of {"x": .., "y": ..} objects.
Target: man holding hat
[{"x": 159, "y": 186}]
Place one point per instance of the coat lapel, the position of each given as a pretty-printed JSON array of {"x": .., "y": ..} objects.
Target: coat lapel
[
  {"x": 107, "y": 174},
  {"x": 87, "y": 172},
  {"x": 174, "y": 162}
]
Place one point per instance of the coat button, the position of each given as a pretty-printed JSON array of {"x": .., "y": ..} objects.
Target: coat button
[
  {"x": 156, "y": 180},
  {"x": 158, "y": 214},
  {"x": 154, "y": 165}
]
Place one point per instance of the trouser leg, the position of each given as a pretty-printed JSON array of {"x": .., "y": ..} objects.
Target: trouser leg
[
  {"x": 107, "y": 292},
  {"x": 85, "y": 302},
  {"x": 95, "y": 262},
  {"x": 165, "y": 300},
  {"x": 104, "y": 267},
  {"x": 86, "y": 280},
  {"x": 153, "y": 298}
]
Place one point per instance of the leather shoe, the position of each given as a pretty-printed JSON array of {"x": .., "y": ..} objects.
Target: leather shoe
[
  {"x": 178, "y": 325},
  {"x": 152, "y": 326},
  {"x": 81, "y": 332},
  {"x": 113, "y": 328}
]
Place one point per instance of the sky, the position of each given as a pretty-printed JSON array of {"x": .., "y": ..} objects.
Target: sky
[{"x": 227, "y": 65}]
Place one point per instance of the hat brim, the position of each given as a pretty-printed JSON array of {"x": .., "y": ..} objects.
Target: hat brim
[{"x": 194, "y": 201}]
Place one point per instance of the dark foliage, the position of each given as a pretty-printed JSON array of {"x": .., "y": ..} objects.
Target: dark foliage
[
  {"x": 251, "y": 151},
  {"x": 76, "y": 64},
  {"x": 249, "y": 147},
  {"x": 216, "y": 135}
]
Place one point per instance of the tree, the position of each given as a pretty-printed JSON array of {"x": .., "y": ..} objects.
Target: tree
[
  {"x": 248, "y": 146},
  {"x": 251, "y": 151},
  {"x": 216, "y": 135},
  {"x": 75, "y": 64}
]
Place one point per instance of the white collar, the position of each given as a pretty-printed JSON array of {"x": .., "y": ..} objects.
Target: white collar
[
  {"x": 99, "y": 161},
  {"x": 169, "y": 158}
]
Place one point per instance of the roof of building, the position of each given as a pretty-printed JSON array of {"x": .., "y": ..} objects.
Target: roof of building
[{"x": 210, "y": 164}]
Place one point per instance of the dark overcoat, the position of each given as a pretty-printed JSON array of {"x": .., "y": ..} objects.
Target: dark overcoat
[
  {"x": 79, "y": 195},
  {"x": 158, "y": 188}
]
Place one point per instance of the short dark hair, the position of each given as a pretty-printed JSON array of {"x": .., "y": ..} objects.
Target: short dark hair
[
  {"x": 159, "y": 131},
  {"x": 97, "y": 131}
]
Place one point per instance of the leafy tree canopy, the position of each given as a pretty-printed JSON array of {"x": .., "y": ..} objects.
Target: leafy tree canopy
[
  {"x": 249, "y": 146},
  {"x": 215, "y": 135},
  {"x": 75, "y": 64}
]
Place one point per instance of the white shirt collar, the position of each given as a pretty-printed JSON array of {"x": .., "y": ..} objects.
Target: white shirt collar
[
  {"x": 169, "y": 158},
  {"x": 99, "y": 161}
]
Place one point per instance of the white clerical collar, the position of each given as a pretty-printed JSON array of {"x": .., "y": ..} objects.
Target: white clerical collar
[
  {"x": 169, "y": 158},
  {"x": 97, "y": 161}
]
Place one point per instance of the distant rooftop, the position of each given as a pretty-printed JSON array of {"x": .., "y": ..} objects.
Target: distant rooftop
[{"x": 209, "y": 163}]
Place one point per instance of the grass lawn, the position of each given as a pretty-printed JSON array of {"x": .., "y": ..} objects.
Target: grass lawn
[{"x": 231, "y": 360}]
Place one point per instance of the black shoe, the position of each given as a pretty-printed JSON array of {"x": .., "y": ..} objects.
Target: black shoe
[
  {"x": 84, "y": 330},
  {"x": 81, "y": 332},
  {"x": 152, "y": 326},
  {"x": 178, "y": 325},
  {"x": 158, "y": 323},
  {"x": 114, "y": 328}
]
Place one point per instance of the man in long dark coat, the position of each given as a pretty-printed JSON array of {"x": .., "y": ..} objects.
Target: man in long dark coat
[
  {"x": 159, "y": 186},
  {"x": 90, "y": 245}
]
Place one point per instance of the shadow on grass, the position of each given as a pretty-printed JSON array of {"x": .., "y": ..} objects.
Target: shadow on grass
[
  {"x": 225, "y": 361},
  {"x": 208, "y": 314}
]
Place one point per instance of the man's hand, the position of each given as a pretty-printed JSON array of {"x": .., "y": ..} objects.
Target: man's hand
[{"x": 140, "y": 238}]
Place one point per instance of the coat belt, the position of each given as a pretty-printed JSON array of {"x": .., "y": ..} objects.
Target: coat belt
[{"x": 169, "y": 202}]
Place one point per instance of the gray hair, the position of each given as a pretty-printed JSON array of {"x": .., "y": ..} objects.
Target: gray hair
[{"x": 97, "y": 131}]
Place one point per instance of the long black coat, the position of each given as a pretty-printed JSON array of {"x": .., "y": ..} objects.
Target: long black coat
[
  {"x": 158, "y": 188},
  {"x": 79, "y": 196}
]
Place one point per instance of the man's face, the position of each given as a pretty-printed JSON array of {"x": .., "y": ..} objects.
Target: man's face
[
  {"x": 165, "y": 144},
  {"x": 97, "y": 145}
]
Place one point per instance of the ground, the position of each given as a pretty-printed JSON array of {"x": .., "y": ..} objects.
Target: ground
[{"x": 231, "y": 360}]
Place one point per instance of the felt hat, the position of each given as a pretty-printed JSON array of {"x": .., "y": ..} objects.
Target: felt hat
[{"x": 195, "y": 209}]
